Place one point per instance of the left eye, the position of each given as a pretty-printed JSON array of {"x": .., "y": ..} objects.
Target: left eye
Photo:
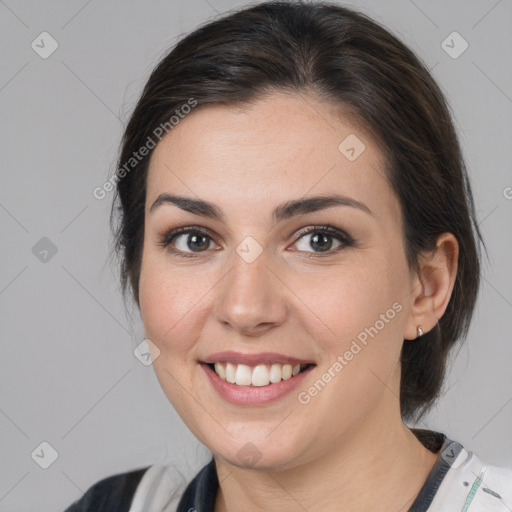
[{"x": 322, "y": 240}]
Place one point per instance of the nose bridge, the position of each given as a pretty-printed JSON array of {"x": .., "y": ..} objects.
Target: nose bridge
[{"x": 251, "y": 297}]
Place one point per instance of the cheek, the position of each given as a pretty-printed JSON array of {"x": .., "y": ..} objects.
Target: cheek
[
  {"x": 172, "y": 305},
  {"x": 171, "y": 312},
  {"x": 353, "y": 298},
  {"x": 364, "y": 312},
  {"x": 363, "y": 346}
]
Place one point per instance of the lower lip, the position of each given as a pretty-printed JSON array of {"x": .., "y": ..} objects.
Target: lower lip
[{"x": 253, "y": 395}]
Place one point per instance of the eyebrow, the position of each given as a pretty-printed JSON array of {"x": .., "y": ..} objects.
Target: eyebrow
[{"x": 282, "y": 212}]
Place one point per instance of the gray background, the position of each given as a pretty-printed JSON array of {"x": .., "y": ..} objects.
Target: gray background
[{"x": 68, "y": 374}]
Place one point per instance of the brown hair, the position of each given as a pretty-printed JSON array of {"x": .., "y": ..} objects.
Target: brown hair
[{"x": 344, "y": 57}]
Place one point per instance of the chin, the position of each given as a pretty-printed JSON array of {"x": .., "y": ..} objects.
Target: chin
[{"x": 262, "y": 455}]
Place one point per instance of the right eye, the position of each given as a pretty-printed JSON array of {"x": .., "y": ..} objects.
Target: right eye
[{"x": 186, "y": 241}]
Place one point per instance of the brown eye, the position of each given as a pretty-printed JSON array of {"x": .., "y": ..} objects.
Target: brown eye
[
  {"x": 186, "y": 240},
  {"x": 195, "y": 242},
  {"x": 322, "y": 239}
]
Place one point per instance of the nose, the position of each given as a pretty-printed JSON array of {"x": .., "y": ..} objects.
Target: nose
[{"x": 251, "y": 298}]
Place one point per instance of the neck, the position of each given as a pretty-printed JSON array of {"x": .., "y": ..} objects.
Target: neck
[{"x": 380, "y": 470}]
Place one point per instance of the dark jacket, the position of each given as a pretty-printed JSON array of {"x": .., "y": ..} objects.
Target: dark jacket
[{"x": 112, "y": 494}]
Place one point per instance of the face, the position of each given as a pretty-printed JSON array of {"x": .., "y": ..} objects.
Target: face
[{"x": 265, "y": 282}]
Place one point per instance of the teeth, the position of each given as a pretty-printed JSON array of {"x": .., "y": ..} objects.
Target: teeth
[
  {"x": 243, "y": 375},
  {"x": 287, "y": 371},
  {"x": 275, "y": 373},
  {"x": 221, "y": 372},
  {"x": 260, "y": 375},
  {"x": 230, "y": 373}
]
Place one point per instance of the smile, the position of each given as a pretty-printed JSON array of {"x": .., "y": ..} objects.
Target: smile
[
  {"x": 259, "y": 375},
  {"x": 254, "y": 379}
]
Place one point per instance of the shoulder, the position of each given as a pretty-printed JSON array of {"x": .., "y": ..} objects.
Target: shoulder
[
  {"x": 164, "y": 487},
  {"x": 111, "y": 494},
  {"x": 496, "y": 481},
  {"x": 474, "y": 484}
]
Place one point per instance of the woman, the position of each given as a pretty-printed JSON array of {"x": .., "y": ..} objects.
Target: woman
[{"x": 297, "y": 228}]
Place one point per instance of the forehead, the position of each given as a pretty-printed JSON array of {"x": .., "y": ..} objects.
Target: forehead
[{"x": 281, "y": 147}]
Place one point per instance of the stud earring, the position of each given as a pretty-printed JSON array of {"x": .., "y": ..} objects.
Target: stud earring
[{"x": 420, "y": 331}]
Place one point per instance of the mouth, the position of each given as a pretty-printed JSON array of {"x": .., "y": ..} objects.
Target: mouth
[
  {"x": 258, "y": 375},
  {"x": 255, "y": 379}
]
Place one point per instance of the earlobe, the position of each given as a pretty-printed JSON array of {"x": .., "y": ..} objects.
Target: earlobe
[{"x": 433, "y": 285}]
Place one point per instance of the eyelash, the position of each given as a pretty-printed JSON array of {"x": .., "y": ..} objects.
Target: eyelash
[{"x": 345, "y": 239}]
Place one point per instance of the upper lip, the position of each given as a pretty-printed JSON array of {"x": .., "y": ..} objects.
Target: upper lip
[{"x": 253, "y": 359}]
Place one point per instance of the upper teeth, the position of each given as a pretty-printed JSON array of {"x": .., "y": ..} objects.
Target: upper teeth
[{"x": 260, "y": 375}]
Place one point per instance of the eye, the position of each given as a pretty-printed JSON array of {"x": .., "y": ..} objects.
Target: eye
[
  {"x": 186, "y": 241},
  {"x": 322, "y": 239}
]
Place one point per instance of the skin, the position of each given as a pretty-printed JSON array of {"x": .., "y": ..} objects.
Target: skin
[{"x": 347, "y": 449}]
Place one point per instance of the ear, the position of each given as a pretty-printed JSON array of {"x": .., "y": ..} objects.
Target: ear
[{"x": 432, "y": 286}]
